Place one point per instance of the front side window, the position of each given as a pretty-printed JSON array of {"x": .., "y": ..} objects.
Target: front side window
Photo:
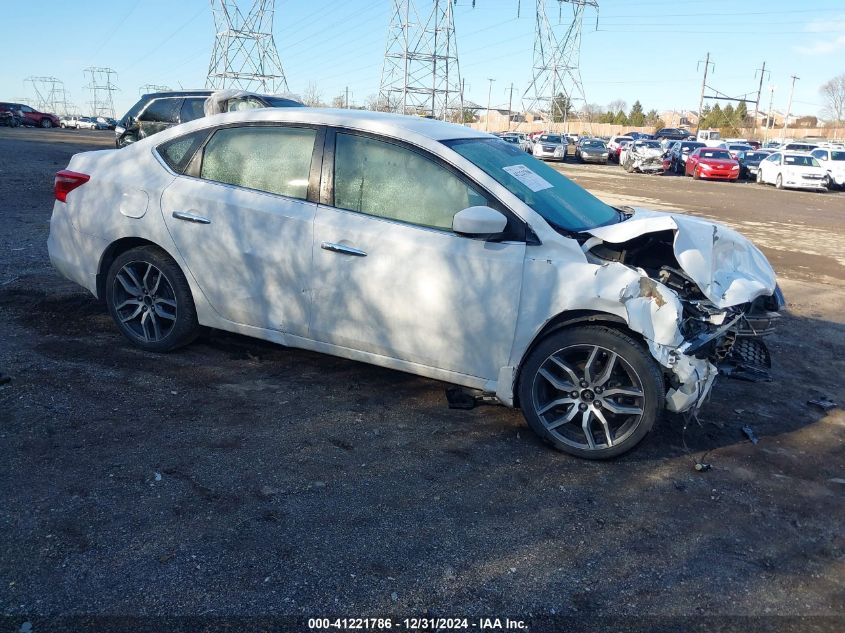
[
  {"x": 272, "y": 159},
  {"x": 386, "y": 180},
  {"x": 162, "y": 111},
  {"x": 561, "y": 202}
]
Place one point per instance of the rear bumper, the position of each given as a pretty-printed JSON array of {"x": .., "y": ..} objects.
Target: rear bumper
[{"x": 74, "y": 254}]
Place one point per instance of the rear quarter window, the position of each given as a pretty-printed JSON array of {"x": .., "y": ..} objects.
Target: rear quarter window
[
  {"x": 162, "y": 111},
  {"x": 177, "y": 153}
]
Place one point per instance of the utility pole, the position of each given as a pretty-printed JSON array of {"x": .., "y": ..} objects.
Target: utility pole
[
  {"x": 759, "y": 92},
  {"x": 347, "y": 97},
  {"x": 703, "y": 84},
  {"x": 789, "y": 105},
  {"x": 510, "y": 105},
  {"x": 489, "y": 92},
  {"x": 769, "y": 118}
]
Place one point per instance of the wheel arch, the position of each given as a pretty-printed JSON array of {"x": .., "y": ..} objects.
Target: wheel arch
[
  {"x": 112, "y": 252},
  {"x": 568, "y": 319}
]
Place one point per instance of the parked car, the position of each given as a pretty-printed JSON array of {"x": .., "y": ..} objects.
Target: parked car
[
  {"x": 420, "y": 246},
  {"x": 158, "y": 111},
  {"x": 10, "y": 116},
  {"x": 675, "y": 133},
  {"x": 591, "y": 150},
  {"x": 107, "y": 122},
  {"x": 91, "y": 123},
  {"x": 644, "y": 156},
  {"x": 516, "y": 139},
  {"x": 679, "y": 152},
  {"x": 749, "y": 162},
  {"x": 712, "y": 163},
  {"x": 550, "y": 147},
  {"x": 614, "y": 147},
  {"x": 792, "y": 170},
  {"x": 735, "y": 148},
  {"x": 798, "y": 147},
  {"x": 31, "y": 117},
  {"x": 639, "y": 135},
  {"x": 833, "y": 162}
]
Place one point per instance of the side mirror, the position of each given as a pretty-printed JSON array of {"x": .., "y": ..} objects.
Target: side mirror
[{"x": 479, "y": 221}]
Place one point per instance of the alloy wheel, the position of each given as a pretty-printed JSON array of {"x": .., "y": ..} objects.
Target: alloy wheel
[
  {"x": 144, "y": 301},
  {"x": 588, "y": 397}
]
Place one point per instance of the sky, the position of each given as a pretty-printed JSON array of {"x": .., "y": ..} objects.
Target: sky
[{"x": 646, "y": 50}]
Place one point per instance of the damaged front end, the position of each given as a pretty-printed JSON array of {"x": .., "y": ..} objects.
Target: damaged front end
[{"x": 704, "y": 300}]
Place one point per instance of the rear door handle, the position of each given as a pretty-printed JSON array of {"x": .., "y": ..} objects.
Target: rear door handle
[
  {"x": 190, "y": 217},
  {"x": 342, "y": 248}
]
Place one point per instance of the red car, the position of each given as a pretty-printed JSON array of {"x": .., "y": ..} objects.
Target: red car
[
  {"x": 711, "y": 162},
  {"x": 30, "y": 116}
]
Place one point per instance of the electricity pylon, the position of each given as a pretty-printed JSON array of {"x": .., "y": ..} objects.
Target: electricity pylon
[
  {"x": 148, "y": 88},
  {"x": 244, "y": 54},
  {"x": 420, "y": 74},
  {"x": 101, "y": 87},
  {"x": 556, "y": 84},
  {"x": 50, "y": 95}
]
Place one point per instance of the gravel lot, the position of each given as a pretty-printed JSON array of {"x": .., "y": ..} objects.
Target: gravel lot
[{"x": 237, "y": 478}]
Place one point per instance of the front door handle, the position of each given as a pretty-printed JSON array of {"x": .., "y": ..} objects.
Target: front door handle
[
  {"x": 342, "y": 248},
  {"x": 190, "y": 217}
]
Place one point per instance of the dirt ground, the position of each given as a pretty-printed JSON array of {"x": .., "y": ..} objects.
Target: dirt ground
[{"x": 238, "y": 478}]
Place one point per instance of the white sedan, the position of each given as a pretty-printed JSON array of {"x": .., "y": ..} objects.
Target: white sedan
[
  {"x": 794, "y": 170},
  {"x": 417, "y": 245}
]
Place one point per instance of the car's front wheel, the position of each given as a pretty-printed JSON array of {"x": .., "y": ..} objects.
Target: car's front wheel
[
  {"x": 593, "y": 392},
  {"x": 46, "y": 123},
  {"x": 150, "y": 300},
  {"x": 779, "y": 182}
]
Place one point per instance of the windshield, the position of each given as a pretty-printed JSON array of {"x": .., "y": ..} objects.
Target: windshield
[
  {"x": 550, "y": 138},
  {"x": 561, "y": 202},
  {"x": 755, "y": 156},
  {"x": 597, "y": 144},
  {"x": 742, "y": 148},
  {"x": 652, "y": 144},
  {"x": 719, "y": 154},
  {"x": 801, "y": 161}
]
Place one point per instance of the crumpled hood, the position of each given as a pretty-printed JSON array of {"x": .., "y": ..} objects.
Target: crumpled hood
[{"x": 726, "y": 266}]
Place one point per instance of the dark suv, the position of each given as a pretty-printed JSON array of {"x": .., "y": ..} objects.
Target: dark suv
[
  {"x": 674, "y": 133},
  {"x": 160, "y": 110}
]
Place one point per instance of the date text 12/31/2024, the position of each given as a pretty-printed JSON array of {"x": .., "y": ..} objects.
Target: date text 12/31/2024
[{"x": 415, "y": 624}]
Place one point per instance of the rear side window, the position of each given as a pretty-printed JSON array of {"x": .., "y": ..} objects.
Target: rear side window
[
  {"x": 178, "y": 152},
  {"x": 272, "y": 159},
  {"x": 162, "y": 111},
  {"x": 390, "y": 181},
  {"x": 192, "y": 109}
]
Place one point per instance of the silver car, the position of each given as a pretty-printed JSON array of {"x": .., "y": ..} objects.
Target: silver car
[{"x": 550, "y": 147}]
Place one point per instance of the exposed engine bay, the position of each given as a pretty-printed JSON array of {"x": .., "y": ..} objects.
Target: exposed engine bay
[{"x": 717, "y": 287}]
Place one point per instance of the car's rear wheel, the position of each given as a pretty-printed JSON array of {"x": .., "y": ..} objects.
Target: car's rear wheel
[
  {"x": 593, "y": 392},
  {"x": 779, "y": 182},
  {"x": 150, "y": 300}
]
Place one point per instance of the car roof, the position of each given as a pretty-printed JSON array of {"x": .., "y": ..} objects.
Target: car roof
[
  {"x": 199, "y": 92},
  {"x": 389, "y": 124}
]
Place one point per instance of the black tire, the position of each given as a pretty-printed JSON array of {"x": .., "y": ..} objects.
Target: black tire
[
  {"x": 635, "y": 357},
  {"x": 179, "y": 324},
  {"x": 779, "y": 182},
  {"x": 760, "y": 177},
  {"x": 46, "y": 123},
  {"x": 696, "y": 174}
]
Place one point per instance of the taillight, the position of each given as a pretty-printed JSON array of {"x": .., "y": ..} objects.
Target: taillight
[{"x": 67, "y": 181}]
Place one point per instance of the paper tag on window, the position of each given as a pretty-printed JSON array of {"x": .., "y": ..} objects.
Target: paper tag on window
[{"x": 530, "y": 179}]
